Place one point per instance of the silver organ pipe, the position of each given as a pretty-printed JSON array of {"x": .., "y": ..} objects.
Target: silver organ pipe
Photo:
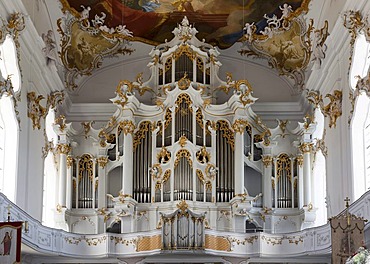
[
  {"x": 284, "y": 182},
  {"x": 142, "y": 162},
  {"x": 85, "y": 181},
  {"x": 225, "y": 163}
]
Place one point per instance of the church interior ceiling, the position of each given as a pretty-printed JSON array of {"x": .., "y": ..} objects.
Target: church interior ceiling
[{"x": 95, "y": 31}]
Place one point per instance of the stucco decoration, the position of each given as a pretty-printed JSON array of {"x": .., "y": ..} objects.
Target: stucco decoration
[
  {"x": 85, "y": 42},
  {"x": 35, "y": 110},
  {"x": 286, "y": 43},
  {"x": 333, "y": 109}
]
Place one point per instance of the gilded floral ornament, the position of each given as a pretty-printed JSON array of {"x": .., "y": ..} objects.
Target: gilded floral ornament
[
  {"x": 240, "y": 125},
  {"x": 267, "y": 160},
  {"x": 182, "y": 141},
  {"x": 184, "y": 82},
  {"x": 299, "y": 160},
  {"x": 63, "y": 149},
  {"x": 333, "y": 109},
  {"x": 265, "y": 136},
  {"x": 211, "y": 171},
  {"x": 70, "y": 161},
  {"x": 35, "y": 110},
  {"x": 61, "y": 122},
  {"x": 86, "y": 42},
  {"x": 356, "y": 24},
  {"x": 203, "y": 155},
  {"x": 156, "y": 171},
  {"x": 102, "y": 161},
  {"x": 6, "y": 87},
  {"x": 183, "y": 206},
  {"x": 293, "y": 54},
  {"x": 54, "y": 98},
  {"x": 127, "y": 126},
  {"x": 163, "y": 156},
  {"x": 306, "y": 147}
]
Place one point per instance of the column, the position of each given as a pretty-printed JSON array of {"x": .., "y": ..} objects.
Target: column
[
  {"x": 69, "y": 190},
  {"x": 266, "y": 181},
  {"x": 306, "y": 150},
  {"x": 127, "y": 181},
  {"x": 300, "y": 181},
  {"x": 102, "y": 189},
  {"x": 239, "y": 127},
  {"x": 63, "y": 149}
]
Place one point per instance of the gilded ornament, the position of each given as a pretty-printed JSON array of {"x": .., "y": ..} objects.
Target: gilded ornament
[
  {"x": 87, "y": 127},
  {"x": 240, "y": 125},
  {"x": 54, "y": 98},
  {"x": 163, "y": 156},
  {"x": 334, "y": 108},
  {"x": 203, "y": 155},
  {"x": 141, "y": 133},
  {"x": 86, "y": 167},
  {"x": 183, "y": 153},
  {"x": 127, "y": 126},
  {"x": 184, "y": 82},
  {"x": 183, "y": 206},
  {"x": 156, "y": 171},
  {"x": 70, "y": 161},
  {"x": 61, "y": 122},
  {"x": 299, "y": 160},
  {"x": 284, "y": 167},
  {"x": 211, "y": 171},
  {"x": 149, "y": 243},
  {"x": 35, "y": 110},
  {"x": 63, "y": 149},
  {"x": 306, "y": 147},
  {"x": 102, "y": 161},
  {"x": 182, "y": 141},
  {"x": 223, "y": 126},
  {"x": 267, "y": 160},
  {"x": 217, "y": 243}
]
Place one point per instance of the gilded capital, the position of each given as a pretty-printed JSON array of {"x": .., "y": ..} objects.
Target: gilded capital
[
  {"x": 102, "y": 161},
  {"x": 299, "y": 160},
  {"x": 239, "y": 125},
  {"x": 70, "y": 161},
  {"x": 306, "y": 147},
  {"x": 63, "y": 149},
  {"x": 127, "y": 127},
  {"x": 267, "y": 160}
]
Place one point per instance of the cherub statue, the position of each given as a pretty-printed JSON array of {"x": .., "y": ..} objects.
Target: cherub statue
[{"x": 49, "y": 49}]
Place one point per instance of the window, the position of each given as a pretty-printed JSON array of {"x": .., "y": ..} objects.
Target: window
[
  {"x": 9, "y": 62},
  {"x": 50, "y": 175},
  {"x": 8, "y": 147},
  {"x": 360, "y": 126}
]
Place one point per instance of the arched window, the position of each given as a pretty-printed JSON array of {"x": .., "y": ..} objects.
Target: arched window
[
  {"x": 50, "y": 174},
  {"x": 360, "y": 126},
  {"x": 8, "y": 145},
  {"x": 9, "y": 62}
]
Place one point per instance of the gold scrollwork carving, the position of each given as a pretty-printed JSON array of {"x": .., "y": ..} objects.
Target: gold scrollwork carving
[
  {"x": 183, "y": 153},
  {"x": 284, "y": 166},
  {"x": 102, "y": 161},
  {"x": 120, "y": 240},
  {"x": 299, "y": 160},
  {"x": 223, "y": 126},
  {"x": 272, "y": 240},
  {"x": 203, "y": 155},
  {"x": 333, "y": 109},
  {"x": 184, "y": 82},
  {"x": 248, "y": 240},
  {"x": 306, "y": 147},
  {"x": 156, "y": 171},
  {"x": 267, "y": 160},
  {"x": 164, "y": 156},
  {"x": 211, "y": 171},
  {"x": 141, "y": 133},
  {"x": 54, "y": 98},
  {"x": 61, "y": 122},
  {"x": 63, "y": 149},
  {"x": 70, "y": 161},
  {"x": 127, "y": 126},
  {"x": 35, "y": 110},
  {"x": 182, "y": 141},
  {"x": 240, "y": 125},
  {"x": 85, "y": 166},
  {"x": 89, "y": 241}
]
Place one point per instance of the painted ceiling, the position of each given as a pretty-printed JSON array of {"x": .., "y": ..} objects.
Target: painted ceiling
[{"x": 219, "y": 22}]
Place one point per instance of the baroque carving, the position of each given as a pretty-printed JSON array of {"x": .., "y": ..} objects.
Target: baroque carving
[
  {"x": 240, "y": 125},
  {"x": 63, "y": 149},
  {"x": 85, "y": 42},
  {"x": 333, "y": 109},
  {"x": 285, "y": 42},
  {"x": 267, "y": 160},
  {"x": 70, "y": 161},
  {"x": 127, "y": 126},
  {"x": 102, "y": 161},
  {"x": 35, "y": 110},
  {"x": 49, "y": 51},
  {"x": 6, "y": 87}
]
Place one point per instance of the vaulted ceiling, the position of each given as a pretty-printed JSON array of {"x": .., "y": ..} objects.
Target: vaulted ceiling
[{"x": 122, "y": 52}]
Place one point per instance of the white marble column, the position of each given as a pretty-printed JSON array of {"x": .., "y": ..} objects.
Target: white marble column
[
  {"x": 127, "y": 176},
  {"x": 266, "y": 181},
  {"x": 306, "y": 150},
  {"x": 63, "y": 149},
  {"x": 102, "y": 189},
  {"x": 69, "y": 185},
  {"x": 239, "y": 160},
  {"x": 300, "y": 181}
]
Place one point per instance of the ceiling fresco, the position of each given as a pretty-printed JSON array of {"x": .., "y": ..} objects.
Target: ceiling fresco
[{"x": 219, "y": 22}]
